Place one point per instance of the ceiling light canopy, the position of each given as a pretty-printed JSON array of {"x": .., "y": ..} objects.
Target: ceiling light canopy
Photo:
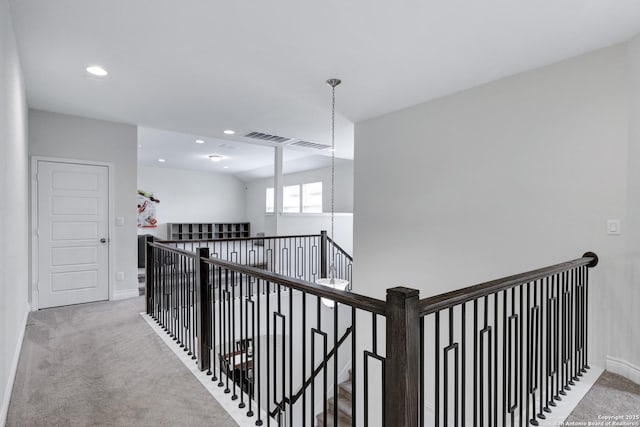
[
  {"x": 229, "y": 132},
  {"x": 215, "y": 158},
  {"x": 97, "y": 70}
]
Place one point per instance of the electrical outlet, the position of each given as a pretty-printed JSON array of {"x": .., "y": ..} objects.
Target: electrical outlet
[{"x": 120, "y": 276}]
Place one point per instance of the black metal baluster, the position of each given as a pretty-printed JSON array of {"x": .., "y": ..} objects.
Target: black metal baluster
[
  {"x": 556, "y": 338},
  {"x": 244, "y": 344},
  {"x": 504, "y": 358},
  {"x": 354, "y": 399},
  {"x": 521, "y": 399},
  {"x": 494, "y": 397},
  {"x": 422, "y": 371},
  {"x": 258, "y": 355},
  {"x": 512, "y": 360},
  {"x": 452, "y": 346},
  {"x": 228, "y": 345},
  {"x": 535, "y": 352},
  {"x": 214, "y": 310},
  {"x": 436, "y": 408},
  {"x": 291, "y": 294},
  {"x": 251, "y": 380},
  {"x": 463, "y": 327},
  {"x": 335, "y": 363},
  {"x": 586, "y": 316},
  {"x": 221, "y": 316},
  {"x": 528, "y": 389},
  {"x": 475, "y": 362},
  {"x": 279, "y": 405},
  {"x": 268, "y": 336},
  {"x": 565, "y": 322},
  {"x": 547, "y": 339},
  {"x": 570, "y": 340},
  {"x": 304, "y": 355}
]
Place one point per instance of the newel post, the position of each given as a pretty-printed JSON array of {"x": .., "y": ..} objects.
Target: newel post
[
  {"x": 323, "y": 253},
  {"x": 402, "y": 366},
  {"x": 203, "y": 309},
  {"x": 148, "y": 274}
]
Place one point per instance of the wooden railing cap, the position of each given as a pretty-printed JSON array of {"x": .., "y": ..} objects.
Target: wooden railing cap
[{"x": 403, "y": 292}]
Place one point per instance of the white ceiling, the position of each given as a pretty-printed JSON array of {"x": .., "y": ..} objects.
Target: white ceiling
[
  {"x": 247, "y": 161},
  {"x": 198, "y": 67}
]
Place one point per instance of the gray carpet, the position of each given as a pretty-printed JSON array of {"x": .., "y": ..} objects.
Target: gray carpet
[
  {"x": 611, "y": 395},
  {"x": 100, "y": 364}
]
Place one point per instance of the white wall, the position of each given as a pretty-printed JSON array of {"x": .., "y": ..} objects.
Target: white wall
[
  {"x": 79, "y": 138},
  {"x": 308, "y": 223},
  {"x": 503, "y": 178},
  {"x": 625, "y": 313},
  {"x": 14, "y": 209},
  {"x": 191, "y": 196}
]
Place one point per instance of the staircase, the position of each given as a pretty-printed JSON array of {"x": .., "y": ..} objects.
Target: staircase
[{"x": 344, "y": 407}]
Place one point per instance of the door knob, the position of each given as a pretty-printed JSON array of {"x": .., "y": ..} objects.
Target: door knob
[{"x": 103, "y": 240}]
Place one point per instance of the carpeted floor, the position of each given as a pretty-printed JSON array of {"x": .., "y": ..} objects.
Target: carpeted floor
[
  {"x": 611, "y": 396},
  {"x": 100, "y": 364}
]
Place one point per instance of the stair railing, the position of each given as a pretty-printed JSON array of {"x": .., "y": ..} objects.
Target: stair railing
[
  {"x": 280, "y": 406},
  {"x": 466, "y": 345},
  {"x": 506, "y": 351}
]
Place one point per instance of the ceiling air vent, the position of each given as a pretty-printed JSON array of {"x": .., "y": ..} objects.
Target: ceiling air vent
[
  {"x": 267, "y": 137},
  {"x": 307, "y": 144}
]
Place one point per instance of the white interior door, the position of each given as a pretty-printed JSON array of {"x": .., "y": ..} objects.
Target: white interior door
[{"x": 73, "y": 233}]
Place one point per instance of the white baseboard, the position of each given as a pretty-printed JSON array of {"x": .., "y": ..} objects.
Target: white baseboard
[
  {"x": 624, "y": 368},
  {"x": 14, "y": 369},
  {"x": 128, "y": 293}
]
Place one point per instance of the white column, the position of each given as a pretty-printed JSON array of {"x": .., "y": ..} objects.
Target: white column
[{"x": 278, "y": 182}]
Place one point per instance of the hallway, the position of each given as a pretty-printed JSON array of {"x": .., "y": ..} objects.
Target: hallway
[{"x": 101, "y": 364}]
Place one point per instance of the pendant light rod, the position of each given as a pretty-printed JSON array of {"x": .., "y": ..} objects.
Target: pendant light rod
[{"x": 333, "y": 83}]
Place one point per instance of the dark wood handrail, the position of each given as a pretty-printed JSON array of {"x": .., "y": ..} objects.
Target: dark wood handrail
[
  {"x": 231, "y": 239},
  {"x": 292, "y": 400},
  {"x": 450, "y": 299},
  {"x": 361, "y": 302},
  {"x": 337, "y": 246},
  {"x": 190, "y": 254}
]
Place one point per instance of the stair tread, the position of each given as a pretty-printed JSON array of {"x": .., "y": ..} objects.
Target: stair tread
[
  {"x": 344, "y": 406},
  {"x": 347, "y": 387}
]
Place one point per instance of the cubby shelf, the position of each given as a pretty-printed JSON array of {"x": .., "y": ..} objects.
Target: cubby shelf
[{"x": 204, "y": 231}]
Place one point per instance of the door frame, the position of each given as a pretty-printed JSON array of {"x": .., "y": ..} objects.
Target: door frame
[{"x": 34, "y": 222}]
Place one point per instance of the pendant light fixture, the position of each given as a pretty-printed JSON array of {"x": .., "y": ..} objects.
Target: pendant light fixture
[{"x": 332, "y": 281}]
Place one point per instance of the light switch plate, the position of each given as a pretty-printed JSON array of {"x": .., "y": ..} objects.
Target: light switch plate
[
  {"x": 613, "y": 227},
  {"x": 120, "y": 221},
  {"x": 120, "y": 276}
]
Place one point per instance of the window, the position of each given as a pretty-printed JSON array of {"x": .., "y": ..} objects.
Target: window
[
  {"x": 291, "y": 199},
  {"x": 270, "y": 201},
  {"x": 312, "y": 197},
  {"x": 305, "y": 198}
]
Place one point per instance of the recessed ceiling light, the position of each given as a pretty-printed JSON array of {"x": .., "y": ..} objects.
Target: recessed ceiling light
[
  {"x": 215, "y": 158},
  {"x": 229, "y": 132},
  {"x": 97, "y": 71},
  {"x": 199, "y": 141},
  {"x": 225, "y": 167},
  {"x": 161, "y": 160}
]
